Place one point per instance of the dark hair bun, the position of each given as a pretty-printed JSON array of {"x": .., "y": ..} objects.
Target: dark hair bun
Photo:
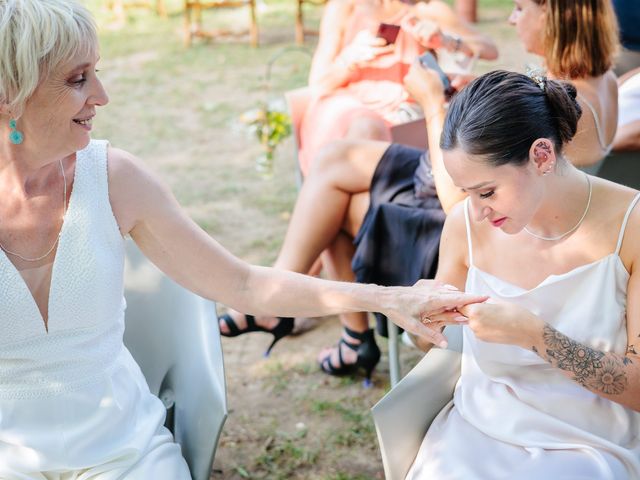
[
  {"x": 499, "y": 115},
  {"x": 562, "y": 100}
]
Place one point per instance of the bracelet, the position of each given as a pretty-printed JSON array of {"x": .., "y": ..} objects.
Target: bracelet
[
  {"x": 458, "y": 45},
  {"x": 454, "y": 42}
]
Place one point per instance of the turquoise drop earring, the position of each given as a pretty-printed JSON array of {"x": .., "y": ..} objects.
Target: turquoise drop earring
[{"x": 16, "y": 137}]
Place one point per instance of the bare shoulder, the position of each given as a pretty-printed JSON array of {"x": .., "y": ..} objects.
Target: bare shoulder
[
  {"x": 133, "y": 189},
  {"x": 125, "y": 170},
  {"x": 598, "y": 90},
  {"x": 454, "y": 233},
  {"x": 611, "y": 202},
  {"x": 610, "y": 197},
  {"x": 456, "y": 221},
  {"x": 122, "y": 164},
  {"x": 336, "y": 8}
]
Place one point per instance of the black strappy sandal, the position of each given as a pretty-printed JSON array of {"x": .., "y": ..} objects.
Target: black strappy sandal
[
  {"x": 281, "y": 330},
  {"x": 368, "y": 356}
]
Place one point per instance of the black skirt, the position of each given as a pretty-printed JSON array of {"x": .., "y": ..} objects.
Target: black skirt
[{"x": 400, "y": 234}]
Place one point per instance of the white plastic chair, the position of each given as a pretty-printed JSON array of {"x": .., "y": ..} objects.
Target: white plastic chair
[
  {"x": 402, "y": 417},
  {"x": 173, "y": 335}
]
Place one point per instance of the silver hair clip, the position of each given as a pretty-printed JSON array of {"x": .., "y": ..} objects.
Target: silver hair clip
[{"x": 537, "y": 76}]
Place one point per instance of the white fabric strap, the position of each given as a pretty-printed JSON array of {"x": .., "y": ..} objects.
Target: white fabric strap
[
  {"x": 466, "y": 217},
  {"x": 624, "y": 222},
  {"x": 596, "y": 120}
]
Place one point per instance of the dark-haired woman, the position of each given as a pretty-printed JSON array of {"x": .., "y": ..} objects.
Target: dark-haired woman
[{"x": 550, "y": 384}]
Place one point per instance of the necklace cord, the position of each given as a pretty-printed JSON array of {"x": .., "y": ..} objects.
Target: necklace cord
[
  {"x": 64, "y": 212},
  {"x": 584, "y": 215}
]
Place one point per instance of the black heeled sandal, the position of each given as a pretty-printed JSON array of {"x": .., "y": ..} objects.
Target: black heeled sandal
[
  {"x": 368, "y": 356},
  {"x": 281, "y": 330}
]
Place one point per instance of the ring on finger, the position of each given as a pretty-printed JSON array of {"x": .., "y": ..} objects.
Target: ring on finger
[{"x": 427, "y": 319}]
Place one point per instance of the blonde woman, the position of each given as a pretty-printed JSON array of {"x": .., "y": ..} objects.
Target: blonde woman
[{"x": 73, "y": 403}]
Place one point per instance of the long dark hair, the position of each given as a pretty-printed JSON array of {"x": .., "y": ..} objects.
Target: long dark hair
[{"x": 500, "y": 114}]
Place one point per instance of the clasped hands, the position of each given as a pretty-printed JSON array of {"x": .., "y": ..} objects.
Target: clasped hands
[{"x": 491, "y": 321}]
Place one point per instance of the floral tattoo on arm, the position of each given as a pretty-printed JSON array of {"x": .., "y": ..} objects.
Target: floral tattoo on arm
[{"x": 598, "y": 371}]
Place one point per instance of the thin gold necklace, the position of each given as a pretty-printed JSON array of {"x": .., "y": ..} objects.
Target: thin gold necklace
[
  {"x": 553, "y": 239},
  {"x": 64, "y": 211}
]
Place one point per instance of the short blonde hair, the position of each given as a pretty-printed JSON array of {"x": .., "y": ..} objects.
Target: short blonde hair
[
  {"x": 36, "y": 37},
  {"x": 581, "y": 37}
]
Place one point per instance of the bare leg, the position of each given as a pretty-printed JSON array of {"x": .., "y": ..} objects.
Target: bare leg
[
  {"x": 337, "y": 261},
  {"x": 369, "y": 128},
  {"x": 326, "y": 205}
]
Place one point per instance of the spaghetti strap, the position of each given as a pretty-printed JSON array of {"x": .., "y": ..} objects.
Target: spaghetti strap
[
  {"x": 466, "y": 218},
  {"x": 596, "y": 120},
  {"x": 624, "y": 222}
]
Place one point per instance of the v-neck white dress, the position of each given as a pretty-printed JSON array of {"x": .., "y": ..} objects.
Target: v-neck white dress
[
  {"x": 514, "y": 416},
  {"x": 73, "y": 403}
]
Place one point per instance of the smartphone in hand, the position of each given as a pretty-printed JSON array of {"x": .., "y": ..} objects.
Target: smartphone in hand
[
  {"x": 428, "y": 60},
  {"x": 389, "y": 32}
]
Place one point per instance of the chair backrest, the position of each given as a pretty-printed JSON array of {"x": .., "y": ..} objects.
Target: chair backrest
[
  {"x": 297, "y": 103},
  {"x": 412, "y": 133},
  {"x": 173, "y": 335},
  {"x": 402, "y": 417}
]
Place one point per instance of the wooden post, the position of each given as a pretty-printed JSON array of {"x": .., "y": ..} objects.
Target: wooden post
[
  {"x": 467, "y": 10},
  {"x": 299, "y": 24}
]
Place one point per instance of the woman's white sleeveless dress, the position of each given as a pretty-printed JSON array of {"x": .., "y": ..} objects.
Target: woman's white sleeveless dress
[
  {"x": 73, "y": 403},
  {"x": 514, "y": 416}
]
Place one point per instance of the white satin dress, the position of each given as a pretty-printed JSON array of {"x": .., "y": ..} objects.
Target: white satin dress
[
  {"x": 514, "y": 416},
  {"x": 73, "y": 403}
]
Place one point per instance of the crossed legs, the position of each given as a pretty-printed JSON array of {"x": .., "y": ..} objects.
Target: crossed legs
[{"x": 328, "y": 214}]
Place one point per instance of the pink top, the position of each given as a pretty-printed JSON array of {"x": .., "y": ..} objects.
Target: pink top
[{"x": 377, "y": 91}]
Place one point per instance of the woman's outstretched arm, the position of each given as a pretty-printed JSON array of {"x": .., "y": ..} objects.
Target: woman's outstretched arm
[{"x": 146, "y": 209}]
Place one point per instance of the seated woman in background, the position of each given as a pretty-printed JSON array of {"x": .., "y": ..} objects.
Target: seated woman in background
[
  {"x": 578, "y": 41},
  {"x": 628, "y": 135},
  {"x": 550, "y": 384},
  {"x": 384, "y": 205},
  {"x": 356, "y": 79}
]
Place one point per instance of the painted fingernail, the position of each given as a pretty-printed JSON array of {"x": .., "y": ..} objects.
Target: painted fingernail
[
  {"x": 450, "y": 287},
  {"x": 443, "y": 344},
  {"x": 460, "y": 318}
]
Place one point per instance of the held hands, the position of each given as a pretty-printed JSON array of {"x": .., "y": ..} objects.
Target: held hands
[
  {"x": 364, "y": 48},
  {"x": 427, "y": 306},
  {"x": 503, "y": 323}
]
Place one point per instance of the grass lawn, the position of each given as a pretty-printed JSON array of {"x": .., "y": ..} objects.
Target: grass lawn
[{"x": 178, "y": 110}]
